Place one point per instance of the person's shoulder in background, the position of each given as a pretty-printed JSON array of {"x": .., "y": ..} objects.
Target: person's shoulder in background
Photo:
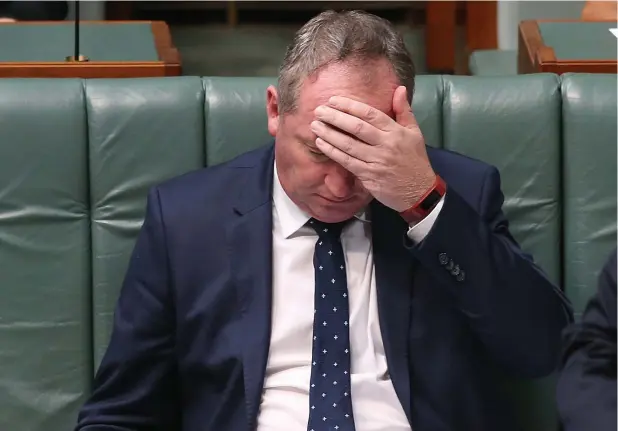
[{"x": 586, "y": 392}]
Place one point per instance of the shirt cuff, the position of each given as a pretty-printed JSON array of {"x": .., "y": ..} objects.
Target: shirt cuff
[{"x": 417, "y": 232}]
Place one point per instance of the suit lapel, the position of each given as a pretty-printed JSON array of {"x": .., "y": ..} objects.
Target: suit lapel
[
  {"x": 250, "y": 239},
  {"x": 394, "y": 272}
]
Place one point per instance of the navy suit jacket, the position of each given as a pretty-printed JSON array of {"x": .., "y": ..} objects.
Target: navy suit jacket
[
  {"x": 191, "y": 329},
  {"x": 587, "y": 385}
]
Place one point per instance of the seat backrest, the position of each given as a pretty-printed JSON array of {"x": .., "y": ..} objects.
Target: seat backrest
[
  {"x": 589, "y": 180},
  {"x": 513, "y": 123},
  {"x": 45, "y": 313},
  {"x": 77, "y": 158},
  {"x": 236, "y": 114},
  {"x": 141, "y": 132}
]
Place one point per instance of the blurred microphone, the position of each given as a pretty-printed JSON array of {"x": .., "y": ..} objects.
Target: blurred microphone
[{"x": 76, "y": 55}]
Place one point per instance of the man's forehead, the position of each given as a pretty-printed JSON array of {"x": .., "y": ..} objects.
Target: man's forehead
[
  {"x": 381, "y": 102},
  {"x": 374, "y": 88}
]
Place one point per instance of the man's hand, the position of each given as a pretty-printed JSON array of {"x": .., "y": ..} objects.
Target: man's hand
[{"x": 388, "y": 156}]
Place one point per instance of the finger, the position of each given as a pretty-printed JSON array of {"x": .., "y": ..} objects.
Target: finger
[
  {"x": 348, "y": 123},
  {"x": 346, "y": 143},
  {"x": 367, "y": 113},
  {"x": 350, "y": 163},
  {"x": 403, "y": 112}
]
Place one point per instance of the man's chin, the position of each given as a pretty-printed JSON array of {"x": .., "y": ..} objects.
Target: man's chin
[{"x": 334, "y": 212}]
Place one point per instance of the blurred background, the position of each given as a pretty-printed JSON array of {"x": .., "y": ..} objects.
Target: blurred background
[{"x": 248, "y": 38}]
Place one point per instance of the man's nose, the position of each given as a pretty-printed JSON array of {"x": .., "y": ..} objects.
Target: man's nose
[{"x": 340, "y": 182}]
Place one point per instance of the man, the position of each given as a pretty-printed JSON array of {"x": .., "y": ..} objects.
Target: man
[
  {"x": 587, "y": 384},
  {"x": 346, "y": 278}
]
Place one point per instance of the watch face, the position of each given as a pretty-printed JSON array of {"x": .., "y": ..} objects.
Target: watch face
[{"x": 430, "y": 201}]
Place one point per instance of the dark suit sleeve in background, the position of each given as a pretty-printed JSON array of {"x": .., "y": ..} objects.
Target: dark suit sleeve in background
[
  {"x": 136, "y": 384},
  {"x": 587, "y": 385},
  {"x": 515, "y": 310}
]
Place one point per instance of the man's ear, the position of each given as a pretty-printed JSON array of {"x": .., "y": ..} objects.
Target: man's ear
[{"x": 272, "y": 110}]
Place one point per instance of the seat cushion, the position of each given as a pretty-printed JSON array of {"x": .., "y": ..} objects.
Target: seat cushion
[
  {"x": 45, "y": 366},
  {"x": 589, "y": 171},
  {"x": 142, "y": 132},
  {"x": 513, "y": 123}
]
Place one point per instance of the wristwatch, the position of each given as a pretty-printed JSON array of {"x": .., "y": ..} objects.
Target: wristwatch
[{"x": 426, "y": 203}]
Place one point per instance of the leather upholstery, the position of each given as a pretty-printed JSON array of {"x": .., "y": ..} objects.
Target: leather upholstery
[
  {"x": 45, "y": 320},
  {"x": 589, "y": 180},
  {"x": 140, "y": 133},
  {"x": 523, "y": 140},
  {"x": 235, "y": 116},
  {"x": 76, "y": 159}
]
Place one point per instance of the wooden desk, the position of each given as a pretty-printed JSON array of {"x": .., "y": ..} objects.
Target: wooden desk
[
  {"x": 479, "y": 21},
  {"x": 116, "y": 49},
  {"x": 566, "y": 46}
]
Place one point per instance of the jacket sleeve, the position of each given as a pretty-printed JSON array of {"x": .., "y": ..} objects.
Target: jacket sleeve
[
  {"x": 135, "y": 386},
  {"x": 515, "y": 310},
  {"x": 587, "y": 384}
]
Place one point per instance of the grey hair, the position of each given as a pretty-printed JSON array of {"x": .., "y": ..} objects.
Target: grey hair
[{"x": 332, "y": 37}]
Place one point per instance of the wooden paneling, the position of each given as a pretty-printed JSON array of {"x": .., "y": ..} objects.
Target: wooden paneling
[
  {"x": 481, "y": 31},
  {"x": 534, "y": 56},
  {"x": 530, "y": 43},
  {"x": 168, "y": 64},
  {"x": 440, "y": 27},
  {"x": 481, "y": 25}
]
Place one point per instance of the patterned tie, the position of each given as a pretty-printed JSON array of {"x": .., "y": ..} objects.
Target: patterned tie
[{"x": 330, "y": 399}]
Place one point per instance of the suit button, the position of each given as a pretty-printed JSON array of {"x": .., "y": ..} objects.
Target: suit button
[
  {"x": 443, "y": 258},
  {"x": 450, "y": 265},
  {"x": 456, "y": 270},
  {"x": 461, "y": 276}
]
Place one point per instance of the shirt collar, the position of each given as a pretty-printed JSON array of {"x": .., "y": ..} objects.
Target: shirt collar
[{"x": 291, "y": 217}]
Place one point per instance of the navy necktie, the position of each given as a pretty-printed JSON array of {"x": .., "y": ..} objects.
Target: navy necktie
[{"x": 330, "y": 398}]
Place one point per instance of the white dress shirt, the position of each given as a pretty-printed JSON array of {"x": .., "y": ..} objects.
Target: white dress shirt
[{"x": 285, "y": 397}]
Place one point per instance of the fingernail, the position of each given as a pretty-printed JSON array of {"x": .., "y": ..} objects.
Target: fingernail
[{"x": 315, "y": 125}]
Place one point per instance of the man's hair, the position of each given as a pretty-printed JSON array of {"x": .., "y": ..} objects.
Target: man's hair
[{"x": 333, "y": 37}]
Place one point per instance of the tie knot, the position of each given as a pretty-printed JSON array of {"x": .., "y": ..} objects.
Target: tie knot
[{"x": 327, "y": 230}]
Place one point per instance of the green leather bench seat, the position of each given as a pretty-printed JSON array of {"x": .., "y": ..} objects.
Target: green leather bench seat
[
  {"x": 523, "y": 140},
  {"x": 589, "y": 186},
  {"x": 493, "y": 62},
  {"x": 45, "y": 289},
  {"x": 102, "y": 41},
  {"x": 152, "y": 132},
  {"x": 77, "y": 158}
]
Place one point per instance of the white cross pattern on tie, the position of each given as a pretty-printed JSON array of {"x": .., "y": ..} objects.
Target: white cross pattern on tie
[{"x": 330, "y": 405}]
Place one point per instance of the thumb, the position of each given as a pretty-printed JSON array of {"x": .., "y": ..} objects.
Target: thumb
[{"x": 402, "y": 109}]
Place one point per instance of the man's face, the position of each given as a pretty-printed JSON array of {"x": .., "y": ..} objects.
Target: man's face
[{"x": 319, "y": 186}]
